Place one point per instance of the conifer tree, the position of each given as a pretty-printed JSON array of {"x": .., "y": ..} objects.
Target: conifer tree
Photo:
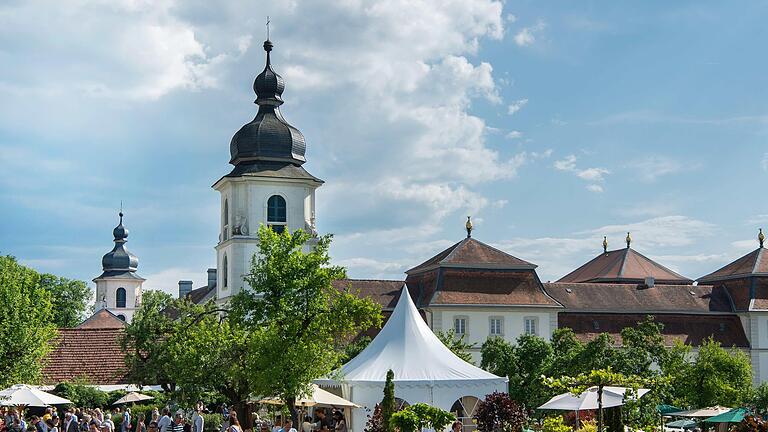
[{"x": 388, "y": 404}]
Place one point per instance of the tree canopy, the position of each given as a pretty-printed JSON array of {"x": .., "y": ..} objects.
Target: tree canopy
[
  {"x": 69, "y": 299},
  {"x": 294, "y": 316},
  {"x": 26, "y": 323}
]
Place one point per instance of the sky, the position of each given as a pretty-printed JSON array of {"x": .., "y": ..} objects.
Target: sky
[{"x": 551, "y": 123}]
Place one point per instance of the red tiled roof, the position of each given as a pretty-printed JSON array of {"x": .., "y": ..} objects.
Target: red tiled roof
[
  {"x": 691, "y": 329},
  {"x": 491, "y": 287},
  {"x": 470, "y": 253},
  {"x": 638, "y": 298},
  {"x": 91, "y": 354},
  {"x": 102, "y": 319},
  {"x": 383, "y": 292},
  {"x": 754, "y": 263},
  {"x": 624, "y": 266}
]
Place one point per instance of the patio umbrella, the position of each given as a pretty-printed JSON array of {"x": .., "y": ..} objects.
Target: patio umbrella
[
  {"x": 24, "y": 395},
  {"x": 702, "y": 412},
  {"x": 735, "y": 415},
  {"x": 132, "y": 397},
  {"x": 665, "y": 409},
  {"x": 682, "y": 424},
  {"x": 612, "y": 396}
]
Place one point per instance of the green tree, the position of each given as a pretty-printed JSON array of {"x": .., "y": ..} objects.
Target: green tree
[
  {"x": 293, "y": 314},
  {"x": 524, "y": 363},
  {"x": 145, "y": 342},
  {"x": 26, "y": 327},
  {"x": 719, "y": 376},
  {"x": 388, "y": 403},
  {"x": 69, "y": 298},
  {"x": 353, "y": 348},
  {"x": 456, "y": 344}
]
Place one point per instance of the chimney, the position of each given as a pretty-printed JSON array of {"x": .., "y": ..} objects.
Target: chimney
[
  {"x": 211, "y": 277},
  {"x": 185, "y": 287}
]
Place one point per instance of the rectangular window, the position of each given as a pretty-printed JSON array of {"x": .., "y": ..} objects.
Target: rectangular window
[
  {"x": 460, "y": 325},
  {"x": 531, "y": 325},
  {"x": 496, "y": 326}
]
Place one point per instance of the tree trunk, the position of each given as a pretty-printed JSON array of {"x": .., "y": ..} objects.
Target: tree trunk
[
  {"x": 291, "y": 402},
  {"x": 600, "y": 409}
]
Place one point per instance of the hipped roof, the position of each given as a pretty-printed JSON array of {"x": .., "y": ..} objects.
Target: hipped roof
[
  {"x": 408, "y": 347},
  {"x": 624, "y": 266},
  {"x": 754, "y": 263},
  {"x": 470, "y": 253}
]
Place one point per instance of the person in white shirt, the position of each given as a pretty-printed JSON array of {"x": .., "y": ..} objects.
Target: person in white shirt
[
  {"x": 198, "y": 421},
  {"x": 288, "y": 426},
  {"x": 307, "y": 425}
]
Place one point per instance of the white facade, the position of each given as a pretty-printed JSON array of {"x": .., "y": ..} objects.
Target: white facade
[
  {"x": 481, "y": 322},
  {"x": 109, "y": 297},
  {"x": 243, "y": 209}
]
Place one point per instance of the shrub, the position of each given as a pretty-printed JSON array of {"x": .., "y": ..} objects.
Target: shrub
[
  {"x": 421, "y": 416},
  {"x": 81, "y": 395},
  {"x": 589, "y": 426},
  {"x": 375, "y": 421},
  {"x": 212, "y": 422},
  {"x": 555, "y": 424},
  {"x": 497, "y": 412}
]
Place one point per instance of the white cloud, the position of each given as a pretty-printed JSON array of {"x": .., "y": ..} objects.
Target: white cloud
[
  {"x": 764, "y": 162},
  {"x": 168, "y": 280},
  {"x": 593, "y": 175},
  {"x": 527, "y": 35},
  {"x": 516, "y": 106},
  {"x": 650, "y": 168},
  {"x": 514, "y": 134}
]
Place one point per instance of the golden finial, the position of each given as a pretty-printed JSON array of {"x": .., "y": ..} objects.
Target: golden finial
[
  {"x": 628, "y": 239},
  {"x": 761, "y": 237},
  {"x": 468, "y": 226},
  {"x": 605, "y": 244}
]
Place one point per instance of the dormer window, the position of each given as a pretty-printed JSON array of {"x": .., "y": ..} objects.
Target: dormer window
[{"x": 276, "y": 213}]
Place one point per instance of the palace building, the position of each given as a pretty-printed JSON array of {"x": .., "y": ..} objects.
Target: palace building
[{"x": 474, "y": 289}]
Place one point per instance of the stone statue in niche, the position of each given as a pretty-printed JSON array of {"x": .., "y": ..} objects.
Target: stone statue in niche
[
  {"x": 241, "y": 225},
  {"x": 310, "y": 226}
]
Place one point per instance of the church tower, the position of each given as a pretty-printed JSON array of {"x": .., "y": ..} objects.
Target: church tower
[
  {"x": 268, "y": 184},
  {"x": 118, "y": 288}
]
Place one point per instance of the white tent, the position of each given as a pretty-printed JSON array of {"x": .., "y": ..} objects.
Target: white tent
[
  {"x": 612, "y": 397},
  {"x": 425, "y": 370},
  {"x": 25, "y": 395}
]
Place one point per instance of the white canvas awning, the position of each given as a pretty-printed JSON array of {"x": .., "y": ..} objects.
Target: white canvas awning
[{"x": 25, "y": 395}]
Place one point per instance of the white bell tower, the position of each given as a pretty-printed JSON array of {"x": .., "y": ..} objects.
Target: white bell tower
[
  {"x": 268, "y": 184},
  {"x": 118, "y": 288}
]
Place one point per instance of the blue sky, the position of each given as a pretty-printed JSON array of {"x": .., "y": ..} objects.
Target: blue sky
[{"x": 552, "y": 123}]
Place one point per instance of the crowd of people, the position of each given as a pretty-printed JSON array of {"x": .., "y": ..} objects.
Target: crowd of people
[{"x": 13, "y": 419}]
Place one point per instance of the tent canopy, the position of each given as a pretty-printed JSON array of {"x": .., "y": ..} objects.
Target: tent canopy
[
  {"x": 735, "y": 415},
  {"x": 702, "y": 412},
  {"x": 612, "y": 396},
  {"x": 319, "y": 397},
  {"x": 25, "y": 395},
  {"x": 408, "y": 347},
  {"x": 681, "y": 424},
  {"x": 665, "y": 409}
]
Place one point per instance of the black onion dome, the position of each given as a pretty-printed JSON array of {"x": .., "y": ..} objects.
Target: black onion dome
[
  {"x": 119, "y": 258},
  {"x": 268, "y": 137}
]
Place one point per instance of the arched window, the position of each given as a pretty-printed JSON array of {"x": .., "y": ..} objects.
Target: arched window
[
  {"x": 120, "y": 298},
  {"x": 226, "y": 219},
  {"x": 276, "y": 213},
  {"x": 225, "y": 272},
  {"x": 121, "y": 317}
]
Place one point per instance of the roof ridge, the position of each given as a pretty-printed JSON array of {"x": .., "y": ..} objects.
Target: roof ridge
[
  {"x": 503, "y": 252},
  {"x": 620, "y": 274},
  {"x": 456, "y": 247},
  {"x": 757, "y": 259}
]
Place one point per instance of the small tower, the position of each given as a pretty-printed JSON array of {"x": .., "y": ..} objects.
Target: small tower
[
  {"x": 118, "y": 288},
  {"x": 268, "y": 184}
]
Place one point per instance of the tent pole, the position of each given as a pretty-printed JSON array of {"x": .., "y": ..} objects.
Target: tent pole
[{"x": 578, "y": 425}]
